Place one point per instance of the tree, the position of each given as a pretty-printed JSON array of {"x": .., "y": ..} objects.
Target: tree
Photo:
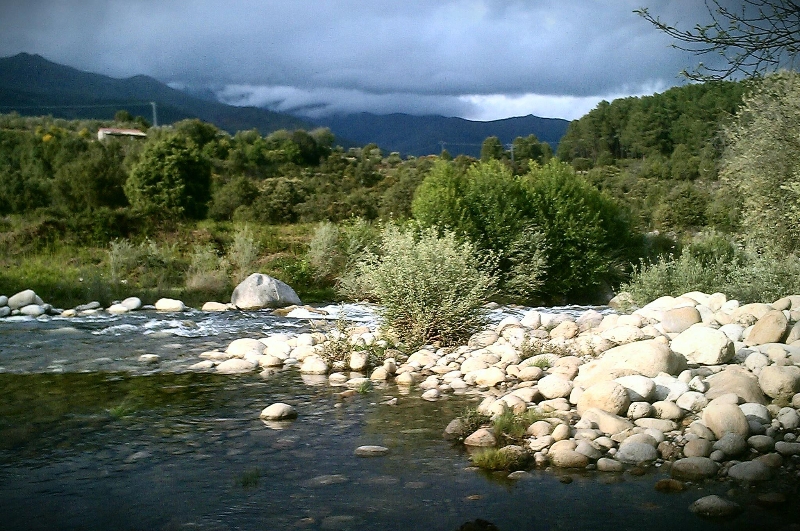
[
  {"x": 492, "y": 149},
  {"x": 754, "y": 37},
  {"x": 762, "y": 161},
  {"x": 170, "y": 179}
]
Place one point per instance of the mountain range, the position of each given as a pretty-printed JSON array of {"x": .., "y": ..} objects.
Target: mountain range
[{"x": 32, "y": 85}]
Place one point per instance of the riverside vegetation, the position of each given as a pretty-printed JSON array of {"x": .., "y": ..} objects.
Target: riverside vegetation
[{"x": 192, "y": 210}]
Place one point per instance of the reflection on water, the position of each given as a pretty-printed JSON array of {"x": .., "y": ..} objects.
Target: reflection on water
[{"x": 92, "y": 440}]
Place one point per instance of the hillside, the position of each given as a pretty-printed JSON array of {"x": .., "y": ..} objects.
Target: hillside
[
  {"x": 426, "y": 135},
  {"x": 31, "y": 85}
]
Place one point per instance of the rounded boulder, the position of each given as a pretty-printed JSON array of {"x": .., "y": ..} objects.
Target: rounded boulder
[{"x": 608, "y": 396}]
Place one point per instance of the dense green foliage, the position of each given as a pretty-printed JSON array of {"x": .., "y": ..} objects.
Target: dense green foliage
[
  {"x": 761, "y": 161},
  {"x": 551, "y": 233},
  {"x": 171, "y": 179},
  {"x": 659, "y": 155}
]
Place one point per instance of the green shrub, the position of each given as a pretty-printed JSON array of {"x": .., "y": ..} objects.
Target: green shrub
[
  {"x": 747, "y": 274},
  {"x": 513, "y": 426},
  {"x": 501, "y": 459},
  {"x": 430, "y": 287}
]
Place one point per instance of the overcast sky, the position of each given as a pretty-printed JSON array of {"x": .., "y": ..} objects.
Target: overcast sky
[{"x": 477, "y": 59}]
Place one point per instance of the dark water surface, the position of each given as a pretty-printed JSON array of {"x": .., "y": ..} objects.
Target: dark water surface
[{"x": 120, "y": 447}]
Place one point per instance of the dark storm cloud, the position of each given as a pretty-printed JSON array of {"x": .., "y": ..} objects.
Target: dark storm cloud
[{"x": 314, "y": 56}]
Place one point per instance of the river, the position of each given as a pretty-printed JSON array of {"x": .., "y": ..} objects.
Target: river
[{"x": 93, "y": 439}]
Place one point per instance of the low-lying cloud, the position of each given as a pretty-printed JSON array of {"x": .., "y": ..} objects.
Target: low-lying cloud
[{"x": 470, "y": 58}]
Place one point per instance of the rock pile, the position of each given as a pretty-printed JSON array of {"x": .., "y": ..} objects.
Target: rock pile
[{"x": 699, "y": 384}]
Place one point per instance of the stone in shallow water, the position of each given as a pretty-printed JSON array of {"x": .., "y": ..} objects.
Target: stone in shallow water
[
  {"x": 694, "y": 468},
  {"x": 750, "y": 471},
  {"x": 149, "y": 358},
  {"x": 236, "y": 366},
  {"x": 371, "y": 451},
  {"x": 714, "y": 507},
  {"x": 330, "y": 479},
  {"x": 278, "y": 411}
]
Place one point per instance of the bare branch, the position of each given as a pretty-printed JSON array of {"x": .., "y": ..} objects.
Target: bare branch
[{"x": 760, "y": 36}]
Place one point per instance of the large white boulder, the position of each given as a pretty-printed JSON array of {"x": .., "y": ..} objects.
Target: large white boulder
[
  {"x": 262, "y": 291},
  {"x": 648, "y": 358},
  {"x": 170, "y": 305},
  {"x": 780, "y": 382},
  {"x": 702, "y": 345}
]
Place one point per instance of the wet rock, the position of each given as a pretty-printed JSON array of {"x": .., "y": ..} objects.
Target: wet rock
[
  {"x": 750, "y": 471},
  {"x": 694, "y": 468},
  {"x": 481, "y": 438},
  {"x": 132, "y": 303},
  {"x": 371, "y": 451},
  {"x": 278, "y": 411},
  {"x": 714, "y": 507},
  {"x": 670, "y": 485}
]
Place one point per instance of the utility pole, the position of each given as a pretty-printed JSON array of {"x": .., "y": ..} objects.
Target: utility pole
[{"x": 155, "y": 114}]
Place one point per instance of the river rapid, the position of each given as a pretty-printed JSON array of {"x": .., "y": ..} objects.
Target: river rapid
[{"x": 91, "y": 438}]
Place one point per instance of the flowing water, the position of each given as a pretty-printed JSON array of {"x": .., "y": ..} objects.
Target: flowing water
[{"x": 93, "y": 439}]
